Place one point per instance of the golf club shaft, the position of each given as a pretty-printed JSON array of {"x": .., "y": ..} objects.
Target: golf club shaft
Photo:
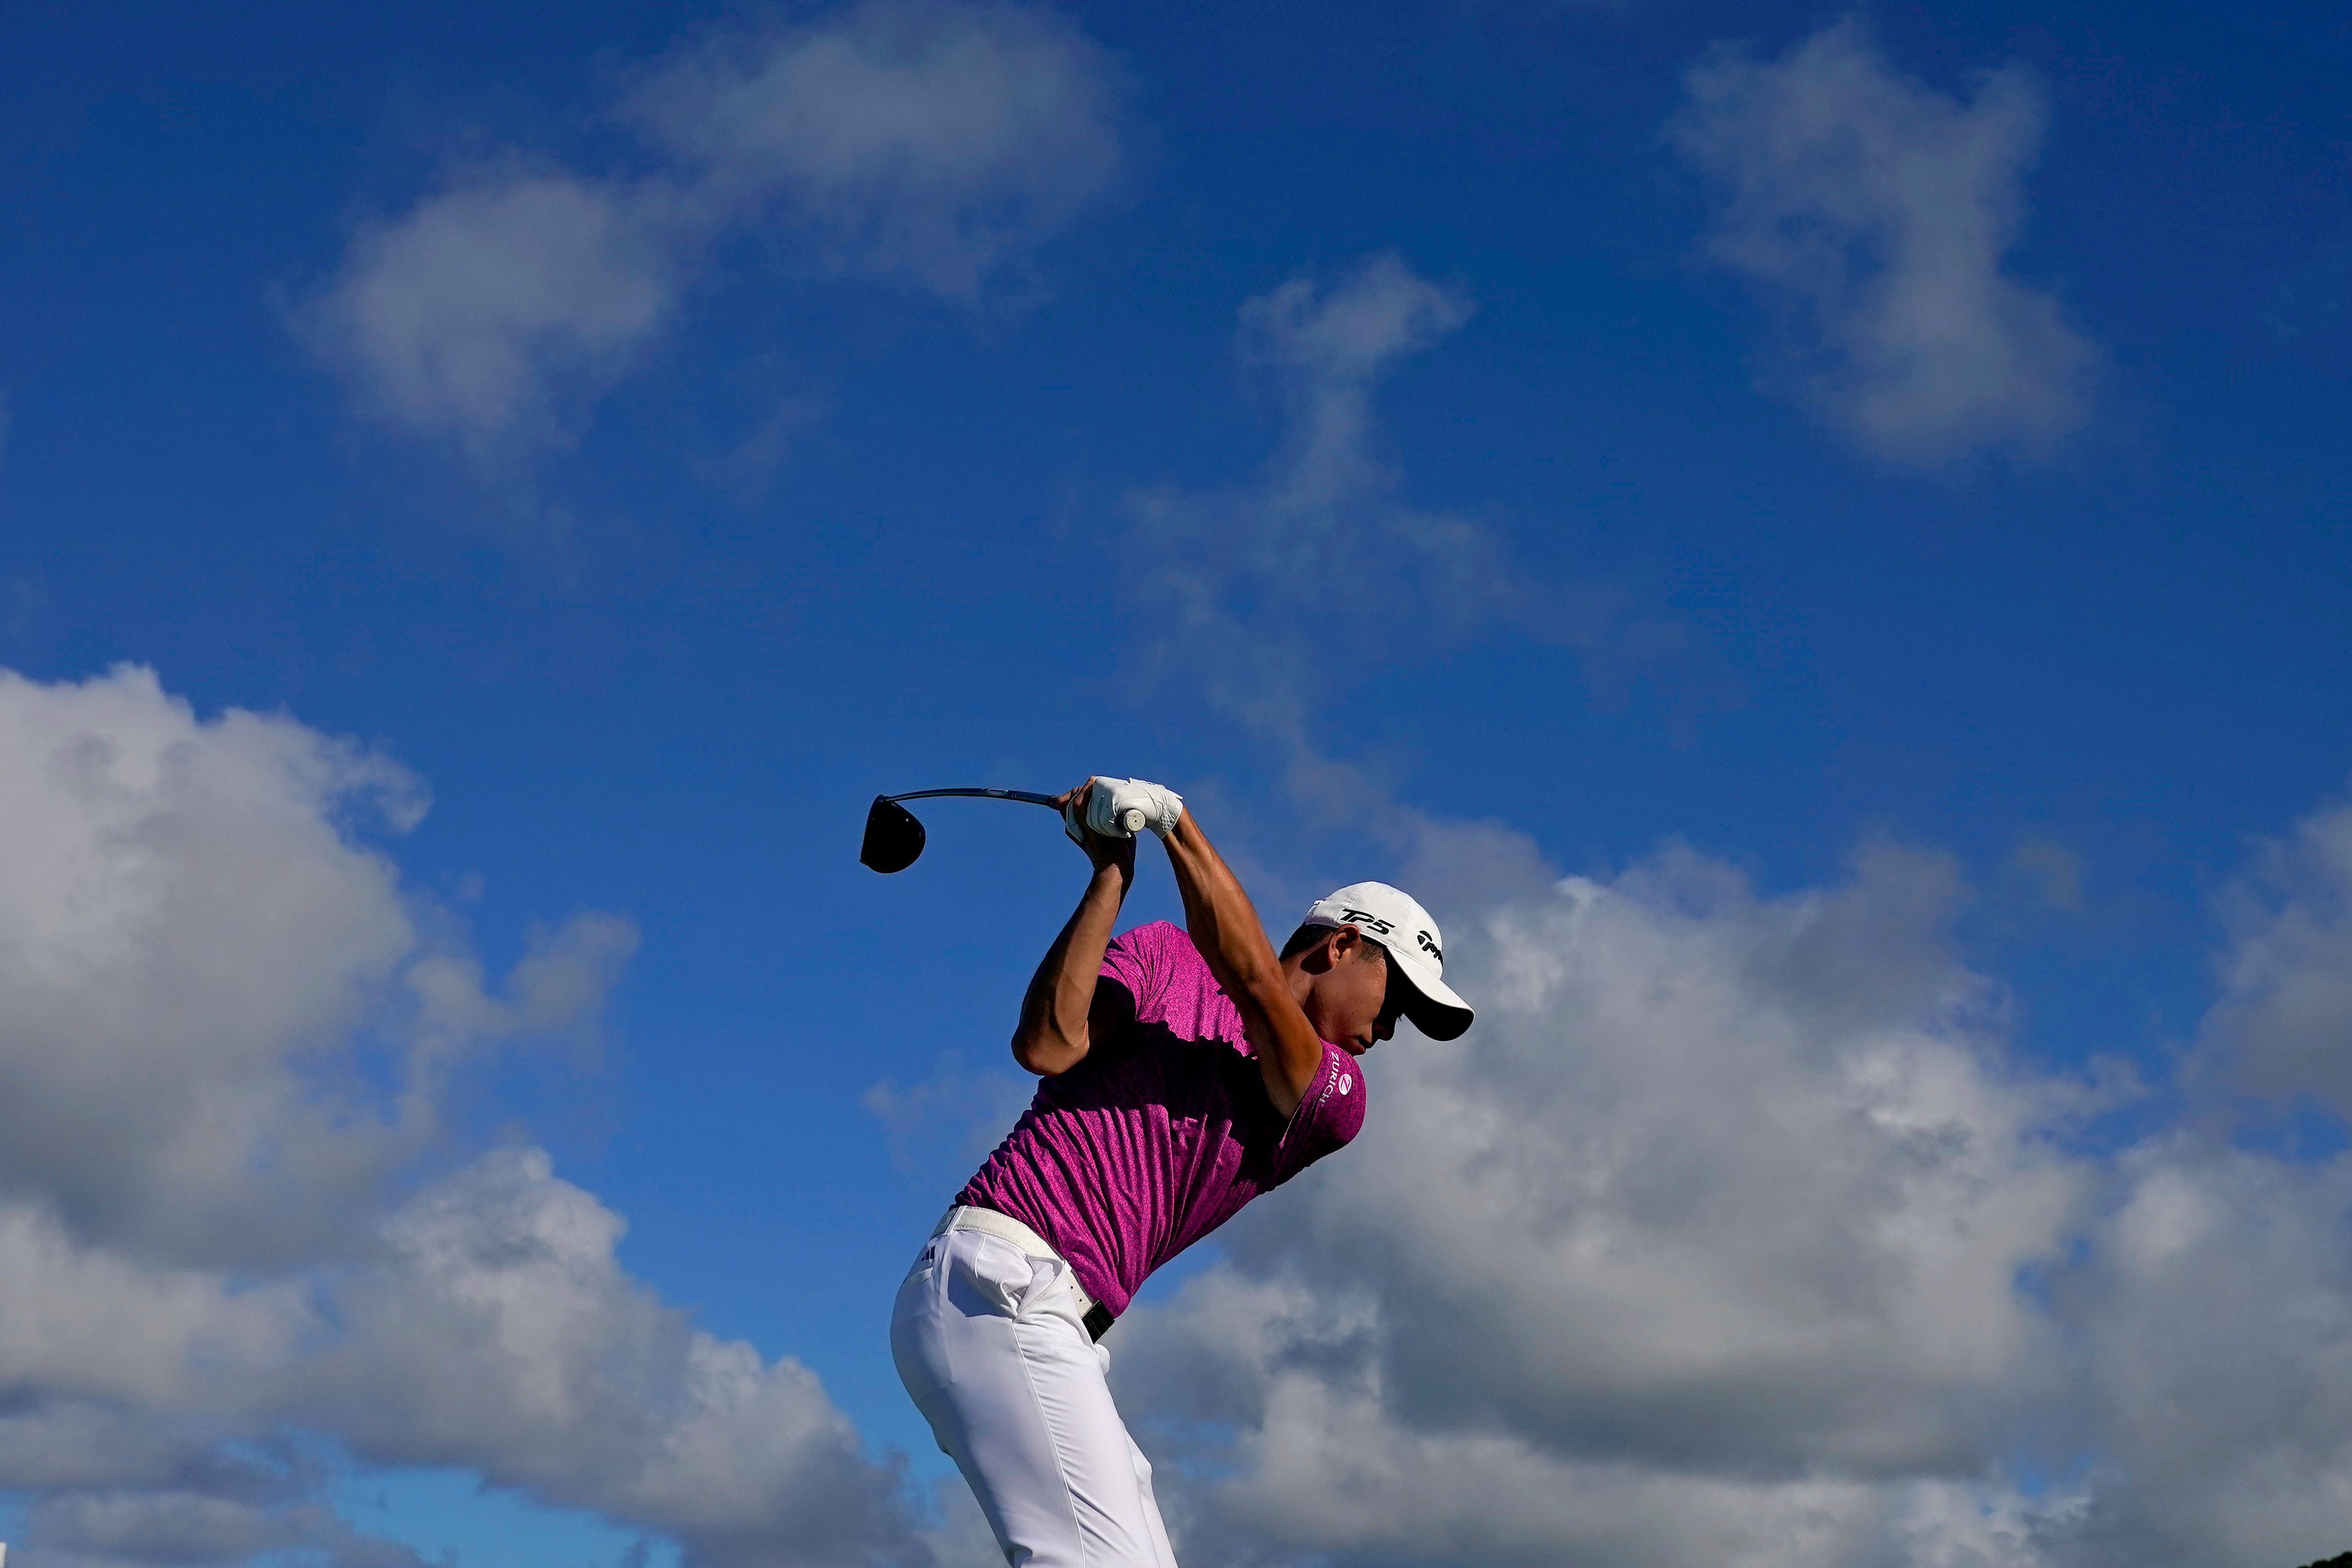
[{"x": 1030, "y": 795}]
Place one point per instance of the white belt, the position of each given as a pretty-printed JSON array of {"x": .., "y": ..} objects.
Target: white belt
[{"x": 1004, "y": 1228}]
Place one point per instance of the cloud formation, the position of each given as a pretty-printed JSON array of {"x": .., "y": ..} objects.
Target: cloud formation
[
  {"x": 917, "y": 142},
  {"x": 497, "y": 1332},
  {"x": 1702, "y": 1247},
  {"x": 1731, "y": 1235},
  {"x": 1229, "y": 580},
  {"x": 1878, "y": 215},
  {"x": 490, "y": 314},
  {"x": 2215, "y": 1313},
  {"x": 2285, "y": 1020},
  {"x": 1734, "y": 1234},
  {"x": 187, "y": 942},
  {"x": 222, "y": 1274}
]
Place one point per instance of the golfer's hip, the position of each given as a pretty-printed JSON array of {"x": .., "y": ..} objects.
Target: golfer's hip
[
  {"x": 1093, "y": 1315},
  {"x": 982, "y": 1276}
]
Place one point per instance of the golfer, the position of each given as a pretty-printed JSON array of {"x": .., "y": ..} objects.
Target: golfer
[{"x": 1183, "y": 1073}]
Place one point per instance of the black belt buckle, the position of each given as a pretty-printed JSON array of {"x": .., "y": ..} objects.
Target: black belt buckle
[{"x": 1098, "y": 1320}]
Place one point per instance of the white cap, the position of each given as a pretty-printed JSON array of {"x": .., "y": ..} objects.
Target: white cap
[{"x": 1409, "y": 936}]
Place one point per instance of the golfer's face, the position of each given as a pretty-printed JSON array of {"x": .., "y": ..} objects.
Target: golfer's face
[{"x": 1357, "y": 1007}]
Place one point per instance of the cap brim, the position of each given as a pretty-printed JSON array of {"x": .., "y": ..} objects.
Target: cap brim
[{"x": 1435, "y": 1010}]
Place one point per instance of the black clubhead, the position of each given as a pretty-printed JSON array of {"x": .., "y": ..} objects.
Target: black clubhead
[{"x": 892, "y": 837}]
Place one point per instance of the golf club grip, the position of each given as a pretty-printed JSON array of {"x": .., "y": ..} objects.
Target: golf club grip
[{"x": 1032, "y": 796}]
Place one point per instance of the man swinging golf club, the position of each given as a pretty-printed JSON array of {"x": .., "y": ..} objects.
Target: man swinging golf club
[{"x": 1184, "y": 1072}]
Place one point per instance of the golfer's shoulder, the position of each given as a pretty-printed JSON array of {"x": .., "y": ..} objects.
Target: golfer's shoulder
[
  {"x": 1159, "y": 965},
  {"x": 1162, "y": 940},
  {"x": 1143, "y": 958}
]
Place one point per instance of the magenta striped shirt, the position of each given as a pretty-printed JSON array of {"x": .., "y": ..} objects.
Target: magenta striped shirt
[{"x": 1164, "y": 1131}]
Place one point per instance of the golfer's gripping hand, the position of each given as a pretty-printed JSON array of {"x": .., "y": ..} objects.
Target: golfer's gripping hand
[{"x": 1119, "y": 808}]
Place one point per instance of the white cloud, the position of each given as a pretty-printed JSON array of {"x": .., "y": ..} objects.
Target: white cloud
[
  {"x": 1331, "y": 348},
  {"x": 2285, "y": 1020},
  {"x": 492, "y": 313},
  {"x": 912, "y": 138},
  {"x": 187, "y": 942},
  {"x": 499, "y": 1333},
  {"x": 1329, "y": 1468},
  {"x": 194, "y": 1531},
  {"x": 2216, "y": 1313},
  {"x": 229, "y": 1032},
  {"x": 1720, "y": 1156},
  {"x": 1703, "y": 1245},
  {"x": 1880, "y": 213},
  {"x": 932, "y": 144},
  {"x": 87, "y": 1322},
  {"x": 1230, "y": 580},
  {"x": 1731, "y": 1235}
]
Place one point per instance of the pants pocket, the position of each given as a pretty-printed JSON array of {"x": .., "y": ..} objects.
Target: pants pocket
[
  {"x": 1045, "y": 1277},
  {"x": 986, "y": 1278}
]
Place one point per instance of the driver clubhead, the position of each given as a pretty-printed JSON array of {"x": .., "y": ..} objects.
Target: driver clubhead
[{"x": 892, "y": 837}]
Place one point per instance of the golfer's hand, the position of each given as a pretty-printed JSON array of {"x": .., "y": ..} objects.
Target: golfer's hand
[
  {"x": 1103, "y": 850},
  {"x": 1119, "y": 808}
]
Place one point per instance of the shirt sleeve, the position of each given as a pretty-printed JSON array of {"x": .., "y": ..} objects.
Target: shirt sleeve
[
  {"x": 1329, "y": 1114},
  {"x": 1133, "y": 959}
]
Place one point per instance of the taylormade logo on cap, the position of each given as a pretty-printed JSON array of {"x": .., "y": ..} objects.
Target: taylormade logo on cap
[{"x": 1405, "y": 931}]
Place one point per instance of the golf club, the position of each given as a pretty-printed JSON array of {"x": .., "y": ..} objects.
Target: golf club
[{"x": 894, "y": 839}]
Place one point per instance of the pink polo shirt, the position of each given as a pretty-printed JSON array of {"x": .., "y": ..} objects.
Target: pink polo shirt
[{"x": 1164, "y": 1131}]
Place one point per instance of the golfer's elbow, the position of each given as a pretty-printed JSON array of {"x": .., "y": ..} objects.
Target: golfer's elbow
[{"x": 1048, "y": 1052}]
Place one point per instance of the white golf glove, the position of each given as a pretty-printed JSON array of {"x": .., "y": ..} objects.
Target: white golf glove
[{"x": 1119, "y": 808}]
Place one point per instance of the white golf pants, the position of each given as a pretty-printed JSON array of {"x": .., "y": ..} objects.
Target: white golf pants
[{"x": 989, "y": 1340}]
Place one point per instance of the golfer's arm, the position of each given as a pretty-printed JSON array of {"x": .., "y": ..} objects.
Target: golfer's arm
[
  {"x": 1225, "y": 927},
  {"x": 1052, "y": 1036}
]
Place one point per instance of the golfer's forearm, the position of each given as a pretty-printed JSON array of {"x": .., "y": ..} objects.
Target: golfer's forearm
[
  {"x": 1224, "y": 926},
  {"x": 1052, "y": 1036}
]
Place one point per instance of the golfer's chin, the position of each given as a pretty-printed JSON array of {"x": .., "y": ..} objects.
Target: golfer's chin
[{"x": 1356, "y": 1047}]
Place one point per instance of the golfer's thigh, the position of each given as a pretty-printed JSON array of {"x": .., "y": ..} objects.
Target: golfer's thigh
[
  {"x": 1015, "y": 1394},
  {"x": 1050, "y": 1459}
]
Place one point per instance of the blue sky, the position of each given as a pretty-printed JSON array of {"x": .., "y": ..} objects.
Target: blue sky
[{"x": 1759, "y": 461}]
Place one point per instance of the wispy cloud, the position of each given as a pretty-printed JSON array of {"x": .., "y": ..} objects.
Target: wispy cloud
[
  {"x": 1878, "y": 213},
  {"x": 940, "y": 1125},
  {"x": 226, "y": 1269},
  {"x": 918, "y": 141},
  {"x": 921, "y": 140},
  {"x": 493, "y": 314},
  {"x": 1238, "y": 587}
]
